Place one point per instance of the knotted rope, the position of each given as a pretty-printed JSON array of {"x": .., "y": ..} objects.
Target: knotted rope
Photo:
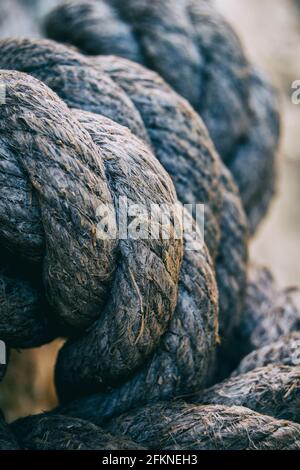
[
  {"x": 141, "y": 316},
  {"x": 234, "y": 100}
]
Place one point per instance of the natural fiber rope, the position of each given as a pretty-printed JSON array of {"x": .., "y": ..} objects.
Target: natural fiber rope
[
  {"x": 54, "y": 176},
  {"x": 165, "y": 426},
  {"x": 147, "y": 106},
  {"x": 148, "y": 331},
  {"x": 7, "y": 438},
  {"x": 68, "y": 72},
  {"x": 285, "y": 351},
  {"x": 270, "y": 323},
  {"x": 271, "y": 390},
  {"x": 189, "y": 427},
  {"x": 55, "y": 180},
  {"x": 237, "y": 105},
  {"x": 268, "y": 314},
  {"x": 63, "y": 433}
]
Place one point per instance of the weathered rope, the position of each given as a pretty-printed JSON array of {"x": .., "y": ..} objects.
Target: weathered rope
[
  {"x": 55, "y": 180},
  {"x": 7, "y": 438},
  {"x": 68, "y": 72},
  {"x": 269, "y": 312},
  {"x": 237, "y": 105},
  {"x": 180, "y": 426},
  {"x": 271, "y": 390},
  {"x": 285, "y": 351},
  {"x": 164, "y": 426},
  {"x": 56, "y": 432},
  {"x": 141, "y": 316},
  {"x": 42, "y": 432},
  {"x": 54, "y": 176}
]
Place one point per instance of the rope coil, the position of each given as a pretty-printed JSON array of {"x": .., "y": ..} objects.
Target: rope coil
[
  {"x": 143, "y": 318},
  {"x": 234, "y": 100}
]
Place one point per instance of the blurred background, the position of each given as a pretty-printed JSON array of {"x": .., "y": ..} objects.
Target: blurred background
[{"x": 270, "y": 32}]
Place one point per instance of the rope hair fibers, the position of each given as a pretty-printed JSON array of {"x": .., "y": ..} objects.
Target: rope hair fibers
[
  {"x": 178, "y": 138},
  {"x": 143, "y": 318},
  {"x": 236, "y": 103}
]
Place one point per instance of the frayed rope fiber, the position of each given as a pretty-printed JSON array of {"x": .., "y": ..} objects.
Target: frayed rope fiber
[
  {"x": 148, "y": 322},
  {"x": 236, "y": 103}
]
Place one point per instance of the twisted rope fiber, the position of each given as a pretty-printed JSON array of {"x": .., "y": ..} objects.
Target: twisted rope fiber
[
  {"x": 67, "y": 173},
  {"x": 285, "y": 351},
  {"x": 43, "y": 137},
  {"x": 54, "y": 431},
  {"x": 288, "y": 432},
  {"x": 266, "y": 380},
  {"x": 184, "y": 352},
  {"x": 65, "y": 70},
  {"x": 180, "y": 426},
  {"x": 64, "y": 433},
  {"x": 177, "y": 425},
  {"x": 269, "y": 313},
  {"x": 51, "y": 151},
  {"x": 171, "y": 426},
  {"x": 238, "y": 106},
  {"x": 42, "y": 432},
  {"x": 271, "y": 390},
  {"x": 7, "y": 438}
]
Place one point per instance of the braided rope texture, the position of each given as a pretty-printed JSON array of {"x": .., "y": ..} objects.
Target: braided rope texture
[
  {"x": 142, "y": 318},
  {"x": 169, "y": 125},
  {"x": 190, "y": 427},
  {"x": 238, "y": 106}
]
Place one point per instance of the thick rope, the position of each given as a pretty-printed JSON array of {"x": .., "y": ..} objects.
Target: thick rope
[
  {"x": 141, "y": 317},
  {"x": 180, "y": 426},
  {"x": 234, "y": 100}
]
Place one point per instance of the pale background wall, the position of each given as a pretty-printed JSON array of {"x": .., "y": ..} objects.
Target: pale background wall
[{"x": 270, "y": 31}]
